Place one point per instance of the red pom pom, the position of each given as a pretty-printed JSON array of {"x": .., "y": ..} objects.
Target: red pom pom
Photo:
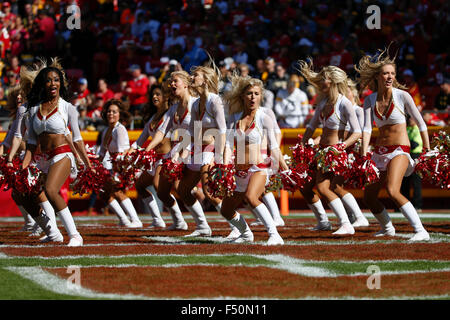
[
  {"x": 89, "y": 180},
  {"x": 124, "y": 171},
  {"x": 333, "y": 159},
  {"x": 143, "y": 160},
  {"x": 363, "y": 172},
  {"x": 29, "y": 180},
  {"x": 304, "y": 153},
  {"x": 173, "y": 171},
  {"x": 221, "y": 182},
  {"x": 296, "y": 178},
  {"x": 7, "y": 173},
  {"x": 434, "y": 167}
]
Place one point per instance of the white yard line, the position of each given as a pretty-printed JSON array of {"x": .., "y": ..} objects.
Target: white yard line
[{"x": 62, "y": 286}]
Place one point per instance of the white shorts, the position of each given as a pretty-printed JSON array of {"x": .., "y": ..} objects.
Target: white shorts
[
  {"x": 207, "y": 158},
  {"x": 44, "y": 164},
  {"x": 382, "y": 157},
  {"x": 243, "y": 177}
]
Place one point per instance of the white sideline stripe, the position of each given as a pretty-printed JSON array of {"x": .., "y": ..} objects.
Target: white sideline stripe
[
  {"x": 306, "y": 271},
  {"x": 55, "y": 284},
  {"x": 220, "y": 219},
  {"x": 286, "y": 263}
]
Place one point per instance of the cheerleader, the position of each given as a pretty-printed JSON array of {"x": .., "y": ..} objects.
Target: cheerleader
[
  {"x": 207, "y": 129},
  {"x": 16, "y": 135},
  {"x": 388, "y": 107},
  {"x": 177, "y": 121},
  {"x": 333, "y": 110},
  {"x": 13, "y": 144},
  {"x": 249, "y": 126},
  {"x": 268, "y": 198},
  {"x": 158, "y": 97},
  {"x": 49, "y": 116},
  {"x": 115, "y": 141},
  {"x": 347, "y": 198}
]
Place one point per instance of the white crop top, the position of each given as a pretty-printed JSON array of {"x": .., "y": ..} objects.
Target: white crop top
[
  {"x": 118, "y": 141},
  {"x": 150, "y": 131},
  {"x": 173, "y": 125},
  {"x": 360, "y": 115},
  {"x": 182, "y": 123},
  {"x": 341, "y": 114},
  {"x": 402, "y": 104},
  {"x": 272, "y": 116},
  {"x": 17, "y": 128},
  {"x": 261, "y": 126},
  {"x": 213, "y": 115},
  {"x": 55, "y": 122}
]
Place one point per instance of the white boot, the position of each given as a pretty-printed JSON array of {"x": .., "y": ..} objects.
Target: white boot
[
  {"x": 410, "y": 213},
  {"x": 387, "y": 228},
  {"x": 29, "y": 221},
  {"x": 177, "y": 217},
  {"x": 52, "y": 233},
  {"x": 352, "y": 207},
  {"x": 128, "y": 207},
  {"x": 197, "y": 213},
  {"x": 346, "y": 227},
  {"x": 272, "y": 206},
  {"x": 69, "y": 224},
  {"x": 152, "y": 206},
  {"x": 321, "y": 216},
  {"x": 241, "y": 225},
  {"x": 264, "y": 215},
  {"x": 117, "y": 209}
]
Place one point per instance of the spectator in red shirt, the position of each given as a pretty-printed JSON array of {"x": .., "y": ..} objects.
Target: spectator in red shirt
[
  {"x": 82, "y": 92},
  {"x": 413, "y": 88},
  {"x": 47, "y": 26},
  {"x": 339, "y": 56},
  {"x": 103, "y": 91},
  {"x": 136, "y": 90},
  {"x": 9, "y": 16}
]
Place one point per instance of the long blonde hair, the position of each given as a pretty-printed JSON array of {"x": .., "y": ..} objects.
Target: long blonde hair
[
  {"x": 337, "y": 76},
  {"x": 370, "y": 66},
  {"x": 211, "y": 73},
  {"x": 12, "y": 104},
  {"x": 186, "y": 78},
  {"x": 353, "y": 88},
  {"x": 234, "y": 98}
]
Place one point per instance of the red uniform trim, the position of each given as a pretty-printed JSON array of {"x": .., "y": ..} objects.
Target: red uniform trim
[{"x": 389, "y": 149}]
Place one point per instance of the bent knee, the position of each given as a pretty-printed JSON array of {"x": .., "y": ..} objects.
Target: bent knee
[
  {"x": 51, "y": 192},
  {"x": 252, "y": 200}
]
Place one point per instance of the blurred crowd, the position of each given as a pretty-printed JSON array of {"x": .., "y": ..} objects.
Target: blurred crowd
[{"x": 124, "y": 47}]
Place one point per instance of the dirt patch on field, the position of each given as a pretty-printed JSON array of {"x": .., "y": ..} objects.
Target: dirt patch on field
[
  {"x": 293, "y": 231},
  {"x": 242, "y": 282},
  {"x": 401, "y": 251}
]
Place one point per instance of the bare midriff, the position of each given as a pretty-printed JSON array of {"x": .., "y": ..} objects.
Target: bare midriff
[
  {"x": 392, "y": 134},
  {"x": 163, "y": 147},
  {"x": 50, "y": 141},
  {"x": 329, "y": 137},
  {"x": 252, "y": 156}
]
